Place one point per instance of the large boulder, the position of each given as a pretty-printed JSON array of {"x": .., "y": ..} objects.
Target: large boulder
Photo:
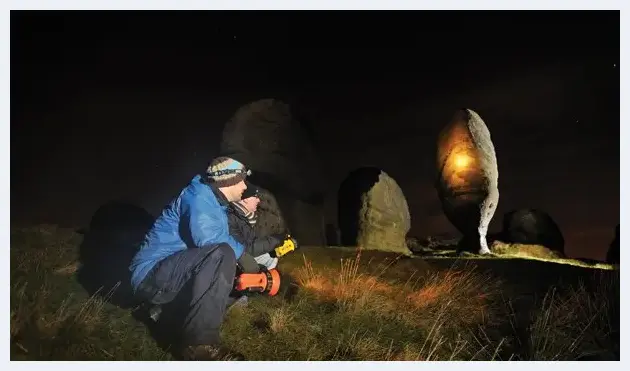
[
  {"x": 373, "y": 212},
  {"x": 271, "y": 139},
  {"x": 532, "y": 227},
  {"x": 122, "y": 221},
  {"x": 305, "y": 220},
  {"x": 467, "y": 181}
]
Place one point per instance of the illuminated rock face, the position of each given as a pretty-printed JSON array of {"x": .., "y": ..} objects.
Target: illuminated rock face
[
  {"x": 467, "y": 181},
  {"x": 373, "y": 212}
]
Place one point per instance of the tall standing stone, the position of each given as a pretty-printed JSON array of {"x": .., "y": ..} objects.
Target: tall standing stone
[
  {"x": 373, "y": 212},
  {"x": 270, "y": 139},
  {"x": 468, "y": 174}
]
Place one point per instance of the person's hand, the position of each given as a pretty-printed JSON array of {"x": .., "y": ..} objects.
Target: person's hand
[
  {"x": 250, "y": 204},
  {"x": 289, "y": 237},
  {"x": 285, "y": 246},
  {"x": 248, "y": 263},
  {"x": 267, "y": 261}
]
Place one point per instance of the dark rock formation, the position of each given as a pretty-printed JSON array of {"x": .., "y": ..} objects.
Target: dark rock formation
[
  {"x": 123, "y": 221},
  {"x": 332, "y": 235},
  {"x": 612, "y": 256},
  {"x": 467, "y": 181},
  {"x": 271, "y": 140},
  {"x": 114, "y": 235},
  {"x": 270, "y": 219},
  {"x": 532, "y": 227},
  {"x": 373, "y": 212}
]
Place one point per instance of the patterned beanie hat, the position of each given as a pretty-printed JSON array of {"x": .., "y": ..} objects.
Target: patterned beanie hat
[{"x": 225, "y": 172}]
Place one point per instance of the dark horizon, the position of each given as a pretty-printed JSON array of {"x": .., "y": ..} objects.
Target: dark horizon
[{"x": 108, "y": 105}]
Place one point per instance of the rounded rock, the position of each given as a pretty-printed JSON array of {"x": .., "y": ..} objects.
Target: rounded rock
[{"x": 468, "y": 175}]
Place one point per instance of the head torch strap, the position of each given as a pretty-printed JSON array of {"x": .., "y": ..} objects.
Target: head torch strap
[{"x": 230, "y": 171}]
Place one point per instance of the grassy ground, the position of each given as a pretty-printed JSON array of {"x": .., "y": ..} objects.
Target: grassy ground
[{"x": 337, "y": 304}]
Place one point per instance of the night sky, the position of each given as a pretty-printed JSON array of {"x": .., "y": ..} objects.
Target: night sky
[{"x": 109, "y": 105}]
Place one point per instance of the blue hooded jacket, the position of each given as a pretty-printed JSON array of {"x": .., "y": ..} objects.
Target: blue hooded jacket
[{"x": 195, "y": 219}]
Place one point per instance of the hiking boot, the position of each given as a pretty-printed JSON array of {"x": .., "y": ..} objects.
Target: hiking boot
[{"x": 210, "y": 353}]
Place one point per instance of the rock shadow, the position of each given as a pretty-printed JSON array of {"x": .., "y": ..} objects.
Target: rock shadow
[
  {"x": 109, "y": 243},
  {"x": 349, "y": 201}
]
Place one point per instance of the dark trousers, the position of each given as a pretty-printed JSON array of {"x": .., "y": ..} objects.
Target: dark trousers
[{"x": 195, "y": 282}]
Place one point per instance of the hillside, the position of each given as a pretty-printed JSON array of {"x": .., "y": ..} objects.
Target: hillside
[{"x": 336, "y": 304}]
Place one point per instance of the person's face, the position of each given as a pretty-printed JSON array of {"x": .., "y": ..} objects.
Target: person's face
[
  {"x": 235, "y": 192},
  {"x": 251, "y": 203}
]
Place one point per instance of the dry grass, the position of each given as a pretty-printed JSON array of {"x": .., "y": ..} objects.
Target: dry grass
[
  {"x": 67, "y": 321},
  {"x": 53, "y": 318},
  {"x": 354, "y": 312},
  {"x": 343, "y": 306},
  {"x": 366, "y": 317},
  {"x": 577, "y": 323}
]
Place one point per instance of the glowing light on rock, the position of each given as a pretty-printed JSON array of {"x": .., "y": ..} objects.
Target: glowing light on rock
[
  {"x": 462, "y": 161},
  {"x": 468, "y": 178}
]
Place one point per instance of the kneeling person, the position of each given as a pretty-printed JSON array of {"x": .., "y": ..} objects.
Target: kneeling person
[{"x": 188, "y": 258}]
